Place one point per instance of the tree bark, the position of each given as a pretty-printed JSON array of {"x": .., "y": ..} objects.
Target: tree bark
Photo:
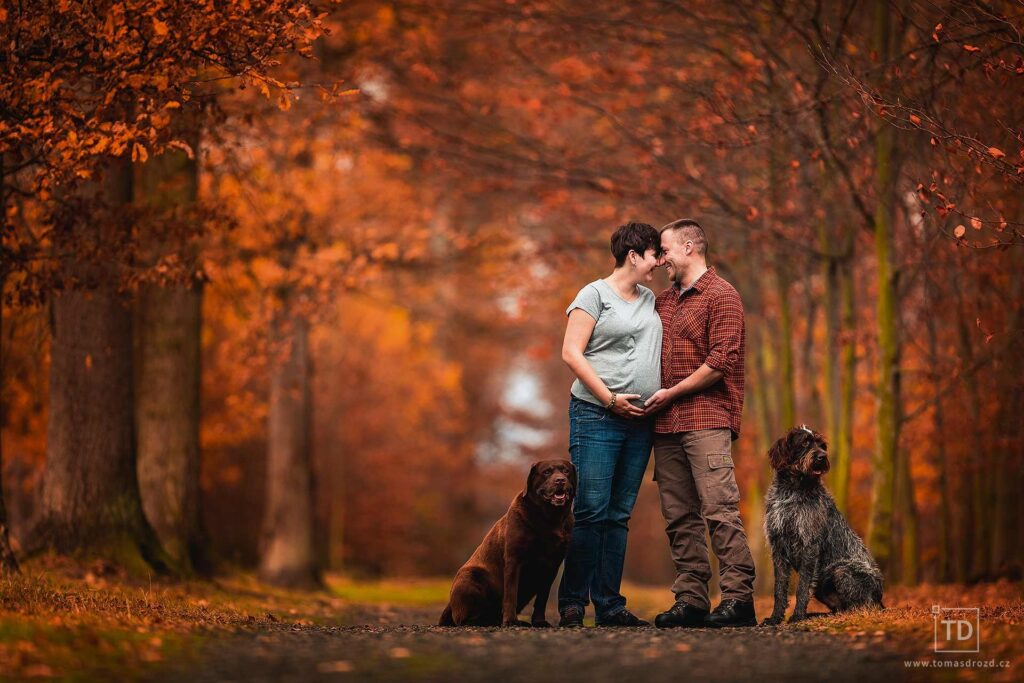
[
  {"x": 167, "y": 381},
  {"x": 90, "y": 501},
  {"x": 289, "y": 555}
]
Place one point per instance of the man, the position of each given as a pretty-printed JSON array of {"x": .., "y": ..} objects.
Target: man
[{"x": 700, "y": 406}]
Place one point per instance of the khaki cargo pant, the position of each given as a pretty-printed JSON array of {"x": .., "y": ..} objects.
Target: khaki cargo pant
[{"x": 696, "y": 482}]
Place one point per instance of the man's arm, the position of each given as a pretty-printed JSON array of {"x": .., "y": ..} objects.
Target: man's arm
[
  {"x": 702, "y": 378},
  {"x": 725, "y": 335}
]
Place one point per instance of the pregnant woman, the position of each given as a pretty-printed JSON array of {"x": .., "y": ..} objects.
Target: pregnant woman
[{"x": 613, "y": 345}]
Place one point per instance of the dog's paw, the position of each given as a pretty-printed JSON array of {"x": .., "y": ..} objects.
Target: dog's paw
[
  {"x": 540, "y": 623},
  {"x": 515, "y": 623},
  {"x": 771, "y": 621},
  {"x": 797, "y": 617}
]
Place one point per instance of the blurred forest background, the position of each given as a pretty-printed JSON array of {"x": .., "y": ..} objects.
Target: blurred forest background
[{"x": 284, "y": 280}]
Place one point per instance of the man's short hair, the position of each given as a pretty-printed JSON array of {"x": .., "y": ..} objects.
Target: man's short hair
[
  {"x": 690, "y": 229},
  {"x": 638, "y": 237}
]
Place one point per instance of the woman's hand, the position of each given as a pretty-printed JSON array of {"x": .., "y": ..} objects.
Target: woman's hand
[
  {"x": 623, "y": 407},
  {"x": 658, "y": 401}
]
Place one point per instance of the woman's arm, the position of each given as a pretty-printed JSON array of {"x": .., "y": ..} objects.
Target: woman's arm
[{"x": 577, "y": 335}]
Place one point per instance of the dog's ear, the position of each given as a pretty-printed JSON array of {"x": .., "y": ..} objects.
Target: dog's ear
[
  {"x": 534, "y": 470},
  {"x": 777, "y": 454}
]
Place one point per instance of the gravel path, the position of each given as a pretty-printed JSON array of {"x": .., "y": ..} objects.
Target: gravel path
[{"x": 397, "y": 645}]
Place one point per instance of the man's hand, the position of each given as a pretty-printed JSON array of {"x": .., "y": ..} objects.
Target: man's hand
[
  {"x": 660, "y": 400},
  {"x": 623, "y": 407}
]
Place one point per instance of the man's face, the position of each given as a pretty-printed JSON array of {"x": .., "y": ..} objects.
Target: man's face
[{"x": 675, "y": 253}]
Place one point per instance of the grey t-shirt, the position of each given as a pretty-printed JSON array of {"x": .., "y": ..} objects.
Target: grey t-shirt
[{"x": 625, "y": 347}]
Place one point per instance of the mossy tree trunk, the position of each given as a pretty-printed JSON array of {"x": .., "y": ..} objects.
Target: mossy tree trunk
[
  {"x": 90, "y": 502},
  {"x": 886, "y": 460}
]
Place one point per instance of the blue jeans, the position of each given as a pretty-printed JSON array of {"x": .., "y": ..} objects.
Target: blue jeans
[{"x": 610, "y": 454}]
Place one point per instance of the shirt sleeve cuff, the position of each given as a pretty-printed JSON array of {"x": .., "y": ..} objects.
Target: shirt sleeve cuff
[{"x": 720, "y": 362}]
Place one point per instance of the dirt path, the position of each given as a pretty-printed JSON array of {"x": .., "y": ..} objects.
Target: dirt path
[{"x": 398, "y": 645}]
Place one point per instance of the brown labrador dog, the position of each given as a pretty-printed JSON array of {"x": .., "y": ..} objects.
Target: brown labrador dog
[{"x": 519, "y": 557}]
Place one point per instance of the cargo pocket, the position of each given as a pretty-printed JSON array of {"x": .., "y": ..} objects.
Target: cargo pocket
[{"x": 721, "y": 480}]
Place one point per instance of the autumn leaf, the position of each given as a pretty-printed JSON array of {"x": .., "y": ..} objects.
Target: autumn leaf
[
  {"x": 183, "y": 146},
  {"x": 139, "y": 153},
  {"x": 972, "y": 48},
  {"x": 959, "y": 231},
  {"x": 975, "y": 222},
  {"x": 996, "y": 153},
  {"x": 159, "y": 27},
  {"x": 916, "y": 120}
]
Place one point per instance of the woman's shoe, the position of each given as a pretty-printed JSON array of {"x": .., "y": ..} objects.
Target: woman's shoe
[{"x": 571, "y": 617}]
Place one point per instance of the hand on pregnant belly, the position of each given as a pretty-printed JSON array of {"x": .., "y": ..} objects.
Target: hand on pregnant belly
[{"x": 660, "y": 400}]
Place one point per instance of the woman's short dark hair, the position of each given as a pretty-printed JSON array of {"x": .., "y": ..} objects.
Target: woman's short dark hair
[{"x": 638, "y": 237}]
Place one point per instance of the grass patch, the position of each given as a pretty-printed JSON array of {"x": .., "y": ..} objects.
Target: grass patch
[
  {"x": 58, "y": 618},
  {"x": 408, "y": 592}
]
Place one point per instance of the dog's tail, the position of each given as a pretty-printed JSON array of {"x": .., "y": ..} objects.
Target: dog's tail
[{"x": 446, "y": 617}]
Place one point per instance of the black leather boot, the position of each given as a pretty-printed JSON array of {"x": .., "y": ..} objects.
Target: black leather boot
[
  {"x": 681, "y": 615},
  {"x": 732, "y": 613}
]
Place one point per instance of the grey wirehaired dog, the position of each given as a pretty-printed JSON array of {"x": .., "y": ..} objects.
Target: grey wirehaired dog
[{"x": 807, "y": 533}]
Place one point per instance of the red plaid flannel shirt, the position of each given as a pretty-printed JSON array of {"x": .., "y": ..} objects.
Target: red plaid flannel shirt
[{"x": 703, "y": 324}]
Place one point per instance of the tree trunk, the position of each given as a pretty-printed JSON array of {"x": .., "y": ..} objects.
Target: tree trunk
[
  {"x": 288, "y": 548},
  {"x": 1009, "y": 418},
  {"x": 90, "y": 501},
  {"x": 946, "y": 496},
  {"x": 843, "y": 445},
  {"x": 880, "y": 530},
  {"x": 762, "y": 475},
  {"x": 830, "y": 393},
  {"x": 8, "y": 563},
  {"x": 910, "y": 548},
  {"x": 976, "y": 547},
  {"x": 787, "y": 387},
  {"x": 167, "y": 327}
]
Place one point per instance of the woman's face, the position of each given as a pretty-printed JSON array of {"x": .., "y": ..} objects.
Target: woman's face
[{"x": 645, "y": 264}]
